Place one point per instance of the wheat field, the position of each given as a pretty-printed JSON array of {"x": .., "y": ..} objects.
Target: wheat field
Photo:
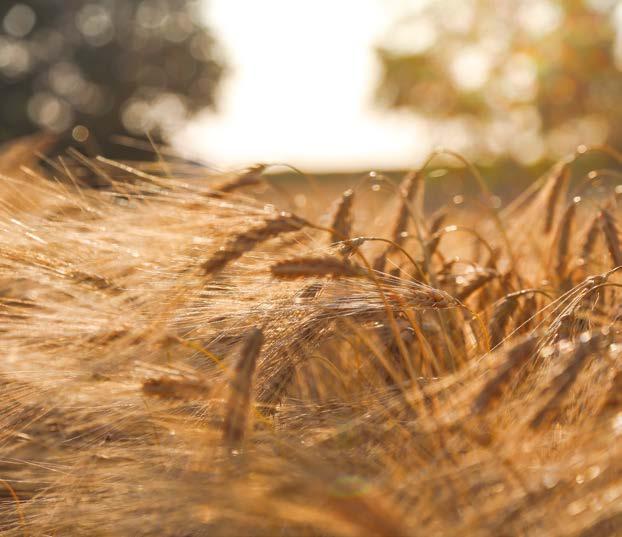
[{"x": 185, "y": 353}]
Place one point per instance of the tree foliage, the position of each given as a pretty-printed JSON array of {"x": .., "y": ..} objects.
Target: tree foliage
[
  {"x": 113, "y": 66},
  {"x": 528, "y": 78}
]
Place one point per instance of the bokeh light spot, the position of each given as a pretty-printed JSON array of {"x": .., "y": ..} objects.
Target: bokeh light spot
[{"x": 19, "y": 21}]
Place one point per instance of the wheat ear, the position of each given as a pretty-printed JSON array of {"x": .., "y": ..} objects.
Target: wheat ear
[
  {"x": 305, "y": 267},
  {"x": 241, "y": 386},
  {"x": 558, "y": 182},
  {"x": 563, "y": 243},
  {"x": 246, "y": 241},
  {"x": 610, "y": 231},
  {"x": 342, "y": 221},
  {"x": 501, "y": 314},
  {"x": 409, "y": 189},
  {"x": 563, "y": 382},
  {"x": 515, "y": 358},
  {"x": 591, "y": 237},
  {"x": 250, "y": 177}
]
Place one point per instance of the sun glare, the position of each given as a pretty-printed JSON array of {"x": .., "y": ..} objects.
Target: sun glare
[{"x": 301, "y": 88}]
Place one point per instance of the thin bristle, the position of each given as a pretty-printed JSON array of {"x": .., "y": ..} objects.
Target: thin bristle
[{"x": 462, "y": 388}]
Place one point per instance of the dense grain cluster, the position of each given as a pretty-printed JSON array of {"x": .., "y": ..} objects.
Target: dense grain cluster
[{"x": 179, "y": 357}]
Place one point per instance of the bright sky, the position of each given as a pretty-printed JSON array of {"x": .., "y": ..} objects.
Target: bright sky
[{"x": 301, "y": 88}]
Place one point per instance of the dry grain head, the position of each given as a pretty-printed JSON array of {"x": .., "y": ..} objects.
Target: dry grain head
[
  {"x": 557, "y": 185},
  {"x": 241, "y": 388},
  {"x": 511, "y": 360},
  {"x": 411, "y": 188},
  {"x": 175, "y": 388},
  {"x": 610, "y": 231},
  {"x": 246, "y": 241},
  {"x": 591, "y": 237},
  {"x": 250, "y": 177},
  {"x": 307, "y": 267},
  {"x": 501, "y": 315},
  {"x": 566, "y": 226},
  {"x": 612, "y": 401},
  {"x": 555, "y": 393},
  {"x": 481, "y": 279},
  {"x": 435, "y": 232},
  {"x": 342, "y": 220}
]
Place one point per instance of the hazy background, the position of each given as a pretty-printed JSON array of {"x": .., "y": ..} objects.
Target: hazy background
[
  {"x": 327, "y": 85},
  {"x": 301, "y": 87}
]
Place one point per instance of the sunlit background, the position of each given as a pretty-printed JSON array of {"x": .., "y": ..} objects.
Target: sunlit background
[
  {"x": 326, "y": 85},
  {"x": 302, "y": 85}
]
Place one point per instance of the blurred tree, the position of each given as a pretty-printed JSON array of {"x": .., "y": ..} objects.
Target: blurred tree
[
  {"x": 94, "y": 69},
  {"x": 528, "y": 79}
]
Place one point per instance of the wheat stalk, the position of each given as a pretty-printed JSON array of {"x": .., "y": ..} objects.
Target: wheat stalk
[
  {"x": 477, "y": 283},
  {"x": 249, "y": 177},
  {"x": 564, "y": 236},
  {"x": 306, "y": 267},
  {"x": 589, "y": 243},
  {"x": 563, "y": 382},
  {"x": 612, "y": 401},
  {"x": 502, "y": 312},
  {"x": 435, "y": 227},
  {"x": 246, "y": 241},
  {"x": 409, "y": 189},
  {"x": 238, "y": 403},
  {"x": 342, "y": 220},
  {"x": 558, "y": 180},
  {"x": 514, "y": 358},
  {"x": 172, "y": 388},
  {"x": 612, "y": 238}
]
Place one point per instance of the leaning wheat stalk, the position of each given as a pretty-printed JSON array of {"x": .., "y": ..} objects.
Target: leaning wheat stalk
[
  {"x": 410, "y": 188},
  {"x": 501, "y": 315},
  {"x": 516, "y": 357},
  {"x": 250, "y": 177},
  {"x": 246, "y": 241},
  {"x": 558, "y": 182},
  {"x": 559, "y": 386},
  {"x": 342, "y": 221},
  {"x": 306, "y": 267},
  {"x": 610, "y": 230},
  {"x": 612, "y": 401},
  {"x": 241, "y": 386},
  {"x": 565, "y": 235},
  {"x": 589, "y": 243}
]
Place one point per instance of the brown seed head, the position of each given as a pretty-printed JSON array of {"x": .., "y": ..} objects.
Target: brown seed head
[
  {"x": 304, "y": 267},
  {"x": 241, "y": 385},
  {"x": 246, "y": 241},
  {"x": 342, "y": 221}
]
